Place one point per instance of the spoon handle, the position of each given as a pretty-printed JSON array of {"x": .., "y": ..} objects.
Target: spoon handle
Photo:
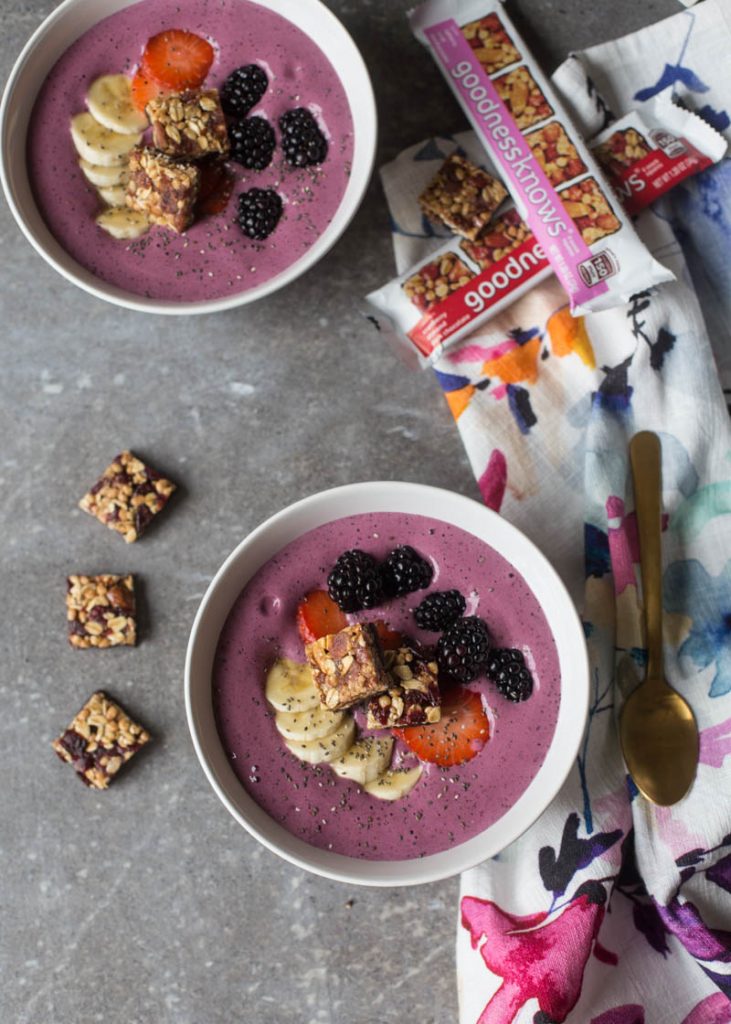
[{"x": 644, "y": 453}]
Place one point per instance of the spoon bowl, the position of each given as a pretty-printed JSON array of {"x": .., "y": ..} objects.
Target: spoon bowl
[{"x": 659, "y": 739}]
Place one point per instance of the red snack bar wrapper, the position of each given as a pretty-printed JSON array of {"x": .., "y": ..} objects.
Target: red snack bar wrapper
[
  {"x": 585, "y": 235},
  {"x": 651, "y": 150},
  {"x": 463, "y": 283}
]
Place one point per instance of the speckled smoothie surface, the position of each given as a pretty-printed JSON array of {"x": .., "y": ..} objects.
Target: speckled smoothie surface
[
  {"x": 448, "y": 805},
  {"x": 213, "y": 258}
]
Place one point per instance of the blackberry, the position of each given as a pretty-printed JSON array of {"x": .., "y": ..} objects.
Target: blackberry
[
  {"x": 463, "y": 651},
  {"x": 252, "y": 142},
  {"x": 507, "y": 668},
  {"x": 259, "y": 212},
  {"x": 438, "y": 611},
  {"x": 243, "y": 89},
  {"x": 302, "y": 140},
  {"x": 404, "y": 571},
  {"x": 355, "y": 582}
]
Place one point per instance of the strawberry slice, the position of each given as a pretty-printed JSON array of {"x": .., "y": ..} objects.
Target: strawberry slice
[
  {"x": 216, "y": 186},
  {"x": 177, "y": 59},
  {"x": 458, "y": 736},
  {"x": 318, "y": 615},
  {"x": 144, "y": 89},
  {"x": 390, "y": 639}
]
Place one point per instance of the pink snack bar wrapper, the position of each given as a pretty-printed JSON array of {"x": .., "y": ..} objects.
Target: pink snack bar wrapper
[
  {"x": 463, "y": 283},
  {"x": 582, "y": 230}
]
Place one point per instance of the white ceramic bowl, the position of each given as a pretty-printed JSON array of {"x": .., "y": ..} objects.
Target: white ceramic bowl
[
  {"x": 74, "y": 17},
  {"x": 416, "y": 499}
]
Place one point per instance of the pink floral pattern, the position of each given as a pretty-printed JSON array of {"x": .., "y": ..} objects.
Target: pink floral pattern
[{"x": 535, "y": 959}]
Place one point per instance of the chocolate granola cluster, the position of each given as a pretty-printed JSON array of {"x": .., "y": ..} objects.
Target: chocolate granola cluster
[{"x": 188, "y": 128}]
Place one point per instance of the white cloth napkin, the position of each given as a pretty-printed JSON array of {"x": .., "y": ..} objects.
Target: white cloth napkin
[{"x": 609, "y": 910}]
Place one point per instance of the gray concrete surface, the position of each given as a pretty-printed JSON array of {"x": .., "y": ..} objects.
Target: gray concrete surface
[{"x": 148, "y": 903}]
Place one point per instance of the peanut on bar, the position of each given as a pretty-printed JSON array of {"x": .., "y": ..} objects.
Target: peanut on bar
[
  {"x": 498, "y": 240},
  {"x": 100, "y": 740},
  {"x": 189, "y": 125},
  {"x": 128, "y": 496},
  {"x": 101, "y": 611},
  {"x": 163, "y": 189},
  {"x": 347, "y": 666},
  {"x": 523, "y": 97},
  {"x": 556, "y": 153},
  {"x": 493, "y": 47},
  {"x": 462, "y": 196},
  {"x": 435, "y": 281},
  {"x": 413, "y": 697},
  {"x": 589, "y": 208}
]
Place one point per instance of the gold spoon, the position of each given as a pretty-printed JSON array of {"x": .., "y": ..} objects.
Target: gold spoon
[{"x": 657, "y": 727}]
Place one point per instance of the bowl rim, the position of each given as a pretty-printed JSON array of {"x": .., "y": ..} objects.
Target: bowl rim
[
  {"x": 365, "y": 133},
  {"x": 560, "y": 756}
]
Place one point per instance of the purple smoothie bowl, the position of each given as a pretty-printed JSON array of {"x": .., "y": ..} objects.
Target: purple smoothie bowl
[
  {"x": 553, "y": 724},
  {"x": 312, "y": 61}
]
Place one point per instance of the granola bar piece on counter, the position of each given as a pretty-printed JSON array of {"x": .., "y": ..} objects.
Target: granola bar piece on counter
[
  {"x": 498, "y": 240},
  {"x": 436, "y": 280},
  {"x": 101, "y": 611},
  {"x": 189, "y": 125},
  {"x": 413, "y": 697},
  {"x": 164, "y": 189},
  {"x": 556, "y": 153},
  {"x": 462, "y": 196},
  {"x": 493, "y": 46},
  {"x": 101, "y": 738},
  {"x": 347, "y": 666},
  {"x": 589, "y": 208},
  {"x": 128, "y": 496},
  {"x": 523, "y": 97}
]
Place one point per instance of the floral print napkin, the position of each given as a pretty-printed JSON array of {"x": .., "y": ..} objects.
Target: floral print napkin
[{"x": 610, "y": 910}]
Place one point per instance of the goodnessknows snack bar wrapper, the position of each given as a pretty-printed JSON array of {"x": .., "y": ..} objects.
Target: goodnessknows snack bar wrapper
[
  {"x": 651, "y": 150},
  {"x": 583, "y": 232},
  {"x": 464, "y": 282}
]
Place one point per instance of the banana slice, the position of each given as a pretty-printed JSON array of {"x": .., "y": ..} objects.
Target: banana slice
[
  {"x": 123, "y": 223},
  {"x": 393, "y": 785},
  {"x": 104, "y": 177},
  {"x": 110, "y": 101},
  {"x": 327, "y": 749},
  {"x": 98, "y": 145},
  {"x": 114, "y": 195},
  {"x": 365, "y": 761},
  {"x": 307, "y": 725},
  {"x": 289, "y": 687}
]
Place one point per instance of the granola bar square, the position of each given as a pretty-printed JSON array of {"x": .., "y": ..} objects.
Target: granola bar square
[
  {"x": 413, "y": 697},
  {"x": 101, "y": 738},
  {"x": 492, "y": 45},
  {"x": 590, "y": 210},
  {"x": 162, "y": 188},
  {"x": 498, "y": 240},
  {"x": 435, "y": 281},
  {"x": 347, "y": 666},
  {"x": 128, "y": 496},
  {"x": 101, "y": 611},
  {"x": 622, "y": 149},
  {"x": 462, "y": 196},
  {"x": 189, "y": 125},
  {"x": 523, "y": 97},
  {"x": 556, "y": 153}
]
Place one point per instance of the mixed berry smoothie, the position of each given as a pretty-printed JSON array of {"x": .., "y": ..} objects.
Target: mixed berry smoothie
[
  {"x": 448, "y": 805},
  {"x": 213, "y": 258}
]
